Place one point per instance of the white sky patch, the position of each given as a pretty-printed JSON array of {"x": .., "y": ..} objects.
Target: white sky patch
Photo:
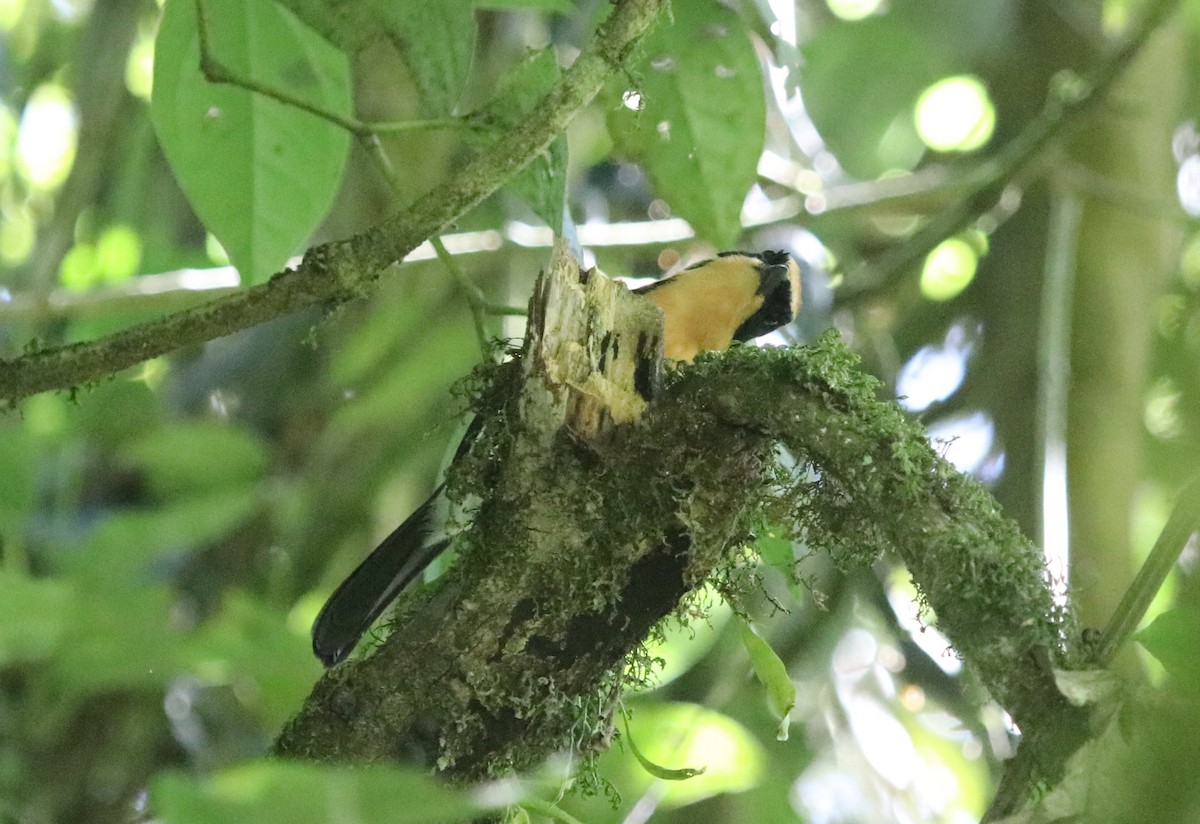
[
  {"x": 936, "y": 372},
  {"x": 965, "y": 440}
]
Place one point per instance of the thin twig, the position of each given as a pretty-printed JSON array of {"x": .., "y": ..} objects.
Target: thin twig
[
  {"x": 217, "y": 72},
  {"x": 475, "y": 299},
  {"x": 1023, "y": 771},
  {"x": 474, "y": 295},
  {"x": 1183, "y": 523}
]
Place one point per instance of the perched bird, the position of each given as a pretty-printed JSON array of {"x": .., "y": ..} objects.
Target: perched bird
[{"x": 734, "y": 296}]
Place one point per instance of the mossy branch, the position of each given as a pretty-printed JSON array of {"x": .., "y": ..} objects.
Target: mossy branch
[
  {"x": 580, "y": 546},
  {"x": 342, "y": 270}
]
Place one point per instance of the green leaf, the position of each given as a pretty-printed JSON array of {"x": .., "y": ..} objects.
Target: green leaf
[
  {"x": 280, "y": 792},
  {"x": 666, "y": 774},
  {"x": 132, "y": 547},
  {"x": 18, "y": 468},
  {"x": 682, "y": 647},
  {"x": 259, "y": 173},
  {"x": 1174, "y": 639},
  {"x": 771, "y": 671},
  {"x": 700, "y": 128},
  {"x": 33, "y": 616},
  {"x": 198, "y": 457},
  {"x": 863, "y": 108},
  {"x": 674, "y": 732},
  {"x": 543, "y": 183},
  {"x": 776, "y": 550},
  {"x": 252, "y": 645},
  {"x": 437, "y": 40},
  {"x": 118, "y": 640}
]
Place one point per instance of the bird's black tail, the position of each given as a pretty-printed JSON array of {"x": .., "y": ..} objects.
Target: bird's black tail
[{"x": 360, "y": 599}]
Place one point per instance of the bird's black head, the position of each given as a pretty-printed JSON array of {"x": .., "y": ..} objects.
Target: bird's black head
[{"x": 779, "y": 285}]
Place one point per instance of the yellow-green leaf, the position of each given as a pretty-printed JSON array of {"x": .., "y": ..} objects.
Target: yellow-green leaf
[{"x": 771, "y": 671}]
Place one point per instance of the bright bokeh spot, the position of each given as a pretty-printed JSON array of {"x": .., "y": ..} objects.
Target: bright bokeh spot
[
  {"x": 46, "y": 139},
  {"x": 71, "y": 11},
  {"x": 78, "y": 271},
  {"x": 304, "y": 612},
  {"x": 215, "y": 251},
  {"x": 955, "y": 114},
  {"x": 153, "y": 373},
  {"x": 8, "y": 133},
  {"x": 139, "y": 68},
  {"x": 114, "y": 257},
  {"x": 118, "y": 254},
  {"x": 948, "y": 269},
  {"x": 1161, "y": 412},
  {"x": 966, "y": 440},
  {"x": 1115, "y": 17},
  {"x": 16, "y": 235},
  {"x": 1187, "y": 185},
  {"x": 10, "y": 13},
  {"x": 853, "y": 9}
]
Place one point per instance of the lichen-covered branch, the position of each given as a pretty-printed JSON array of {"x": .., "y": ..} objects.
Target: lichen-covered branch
[
  {"x": 342, "y": 270},
  {"x": 879, "y": 486},
  {"x": 580, "y": 546}
]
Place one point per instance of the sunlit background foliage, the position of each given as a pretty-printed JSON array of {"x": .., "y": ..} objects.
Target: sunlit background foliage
[{"x": 168, "y": 535}]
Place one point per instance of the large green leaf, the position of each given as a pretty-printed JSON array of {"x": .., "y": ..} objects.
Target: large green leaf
[
  {"x": 251, "y": 645},
  {"x": 437, "y": 39},
  {"x": 33, "y": 616},
  {"x": 197, "y": 457},
  {"x": 772, "y": 672},
  {"x": 860, "y": 82},
  {"x": 18, "y": 468},
  {"x": 280, "y": 792},
  {"x": 132, "y": 547},
  {"x": 1174, "y": 639},
  {"x": 699, "y": 130},
  {"x": 259, "y": 173}
]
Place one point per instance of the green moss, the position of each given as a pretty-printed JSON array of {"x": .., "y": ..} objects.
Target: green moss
[
  {"x": 563, "y": 524},
  {"x": 870, "y": 482}
]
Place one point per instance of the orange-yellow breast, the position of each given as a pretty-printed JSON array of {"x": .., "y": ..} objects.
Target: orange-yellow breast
[{"x": 703, "y": 307}]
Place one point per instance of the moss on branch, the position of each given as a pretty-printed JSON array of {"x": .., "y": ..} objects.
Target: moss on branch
[{"x": 579, "y": 549}]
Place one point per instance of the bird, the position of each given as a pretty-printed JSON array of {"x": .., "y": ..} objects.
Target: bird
[{"x": 736, "y": 296}]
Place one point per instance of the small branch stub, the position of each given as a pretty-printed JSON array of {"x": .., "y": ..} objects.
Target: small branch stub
[{"x": 596, "y": 342}]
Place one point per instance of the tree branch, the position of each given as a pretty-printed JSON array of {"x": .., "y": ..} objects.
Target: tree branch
[
  {"x": 582, "y": 544},
  {"x": 342, "y": 270}
]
